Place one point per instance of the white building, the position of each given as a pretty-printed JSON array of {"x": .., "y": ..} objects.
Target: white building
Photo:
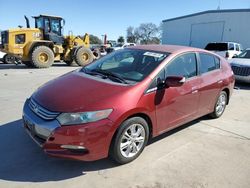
[{"x": 210, "y": 26}]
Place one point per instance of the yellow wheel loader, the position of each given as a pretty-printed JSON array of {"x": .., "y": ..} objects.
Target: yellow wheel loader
[{"x": 41, "y": 46}]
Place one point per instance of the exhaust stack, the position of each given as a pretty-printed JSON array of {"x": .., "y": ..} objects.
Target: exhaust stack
[{"x": 27, "y": 22}]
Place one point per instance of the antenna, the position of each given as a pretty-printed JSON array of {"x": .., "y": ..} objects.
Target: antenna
[{"x": 219, "y": 4}]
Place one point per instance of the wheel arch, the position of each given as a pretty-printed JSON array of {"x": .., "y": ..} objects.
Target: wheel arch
[
  {"x": 41, "y": 43},
  {"x": 139, "y": 114}
]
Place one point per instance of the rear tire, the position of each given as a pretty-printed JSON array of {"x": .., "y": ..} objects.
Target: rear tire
[
  {"x": 84, "y": 56},
  {"x": 8, "y": 59},
  {"x": 42, "y": 57},
  {"x": 97, "y": 54},
  {"x": 130, "y": 140},
  {"x": 220, "y": 105}
]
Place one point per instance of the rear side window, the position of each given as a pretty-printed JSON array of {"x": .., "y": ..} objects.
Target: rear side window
[
  {"x": 184, "y": 65},
  {"x": 208, "y": 63},
  {"x": 217, "y": 47}
]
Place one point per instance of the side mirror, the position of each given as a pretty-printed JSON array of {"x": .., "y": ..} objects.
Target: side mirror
[
  {"x": 175, "y": 81},
  {"x": 235, "y": 56}
]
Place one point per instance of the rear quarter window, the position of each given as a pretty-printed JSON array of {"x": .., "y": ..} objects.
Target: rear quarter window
[{"x": 208, "y": 63}]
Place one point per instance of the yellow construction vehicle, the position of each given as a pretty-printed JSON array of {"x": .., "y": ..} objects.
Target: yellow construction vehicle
[{"x": 41, "y": 46}]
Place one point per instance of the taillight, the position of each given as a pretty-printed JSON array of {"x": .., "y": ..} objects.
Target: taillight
[{"x": 227, "y": 54}]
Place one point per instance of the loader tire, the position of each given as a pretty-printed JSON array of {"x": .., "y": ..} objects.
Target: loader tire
[
  {"x": 97, "y": 54},
  {"x": 42, "y": 57},
  {"x": 84, "y": 56}
]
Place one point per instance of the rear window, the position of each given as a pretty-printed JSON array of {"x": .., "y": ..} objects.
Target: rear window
[{"x": 217, "y": 47}]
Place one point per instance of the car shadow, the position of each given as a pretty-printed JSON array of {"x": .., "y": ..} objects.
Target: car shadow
[
  {"x": 177, "y": 129},
  {"x": 22, "y": 160},
  {"x": 242, "y": 86},
  {"x": 22, "y": 66}
]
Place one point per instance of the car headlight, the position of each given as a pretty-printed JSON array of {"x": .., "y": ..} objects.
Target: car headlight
[{"x": 83, "y": 117}]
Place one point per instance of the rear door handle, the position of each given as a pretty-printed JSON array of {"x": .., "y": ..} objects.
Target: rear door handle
[{"x": 220, "y": 81}]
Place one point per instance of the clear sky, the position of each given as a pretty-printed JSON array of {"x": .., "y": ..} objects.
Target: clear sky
[{"x": 106, "y": 16}]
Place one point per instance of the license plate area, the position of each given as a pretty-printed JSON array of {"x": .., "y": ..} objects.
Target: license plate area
[{"x": 31, "y": 130}]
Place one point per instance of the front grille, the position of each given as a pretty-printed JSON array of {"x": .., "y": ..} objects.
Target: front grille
[
  {"x": 241, "y": 71},
  {"x": 41, "y": 111}
]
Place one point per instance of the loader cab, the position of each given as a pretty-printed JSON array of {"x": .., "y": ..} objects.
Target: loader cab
[{"x": 51, "y": 26}]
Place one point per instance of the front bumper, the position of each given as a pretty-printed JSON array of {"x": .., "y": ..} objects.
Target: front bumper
[
  {"x": 245, "y": 79},
  {"x": 92, "y": 139}
]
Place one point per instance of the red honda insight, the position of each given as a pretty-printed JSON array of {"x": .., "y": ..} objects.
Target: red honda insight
[{"x": 113, "y": 106}]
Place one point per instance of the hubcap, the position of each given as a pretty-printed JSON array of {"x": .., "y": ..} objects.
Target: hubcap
[
  {"x": 85, "y": 57},
  {"x": 43, "y": 57},
  {"x": 132, "y": 140},
  {"x": 221, "y": 103}
]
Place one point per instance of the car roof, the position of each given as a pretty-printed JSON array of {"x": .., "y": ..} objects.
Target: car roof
[{"x": 166, "y": 48}]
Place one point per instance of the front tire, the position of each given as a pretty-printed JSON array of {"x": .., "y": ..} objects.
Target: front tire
[
  {"x": 220, "y": 105},
  {"x": 42, "y": 57},
  {"x": 130, "y": 140}
]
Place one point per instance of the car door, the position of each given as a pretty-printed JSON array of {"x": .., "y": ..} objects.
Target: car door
[
  {"x": 177, "y": 105},
  {"x": 211, "y": 82}
]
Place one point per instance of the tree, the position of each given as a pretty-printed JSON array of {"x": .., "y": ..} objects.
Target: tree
[
  {"x": 120, "y": 39},
  {"x": 130, "y": 35},
  {"x": 146, "y": 33},
  {"x": 94, "y": 39}
]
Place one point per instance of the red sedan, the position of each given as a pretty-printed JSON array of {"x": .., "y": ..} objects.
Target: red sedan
[{"x": 113, "y": 106}]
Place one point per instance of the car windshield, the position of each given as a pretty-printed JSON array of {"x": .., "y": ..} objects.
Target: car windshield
[
  {"x": 217, "y": 47},
  {"x": 244, "y": 54},
  {"x": 131, "y": 65}
]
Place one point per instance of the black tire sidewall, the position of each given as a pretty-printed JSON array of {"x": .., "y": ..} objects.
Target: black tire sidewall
[
  {"x": 115, "y": 147},
  {"x": 5, "y": 59},
  {"x": 35, "y": 53}
]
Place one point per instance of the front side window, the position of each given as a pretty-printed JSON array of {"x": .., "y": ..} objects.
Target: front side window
[
  {"x": 208, "y": 63},
  {"x": 132, "y": 65},
  {"x": 184, "y": 65}
]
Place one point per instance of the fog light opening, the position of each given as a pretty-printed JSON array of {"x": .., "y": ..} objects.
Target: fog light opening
[{"x": 73, "y": 147}]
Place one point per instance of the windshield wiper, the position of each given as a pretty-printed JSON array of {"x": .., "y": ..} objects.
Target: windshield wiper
[{"x": 109, "y": 74}]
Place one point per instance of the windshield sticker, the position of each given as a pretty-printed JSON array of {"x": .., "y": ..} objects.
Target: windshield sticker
[{"x": 153, "y": 54}]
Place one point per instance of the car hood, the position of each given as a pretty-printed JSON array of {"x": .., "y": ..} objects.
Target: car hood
[
  {"x": 240, "y": 61},
  {"x": 75, "y": 91}
]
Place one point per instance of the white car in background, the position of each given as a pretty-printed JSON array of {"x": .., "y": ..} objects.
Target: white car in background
[
  {"x": 225, "y": 49},
  {"x": 7, "y": 59},
  {"x": 241, "y": 66},
  {"x": 119, "y": 47}
]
